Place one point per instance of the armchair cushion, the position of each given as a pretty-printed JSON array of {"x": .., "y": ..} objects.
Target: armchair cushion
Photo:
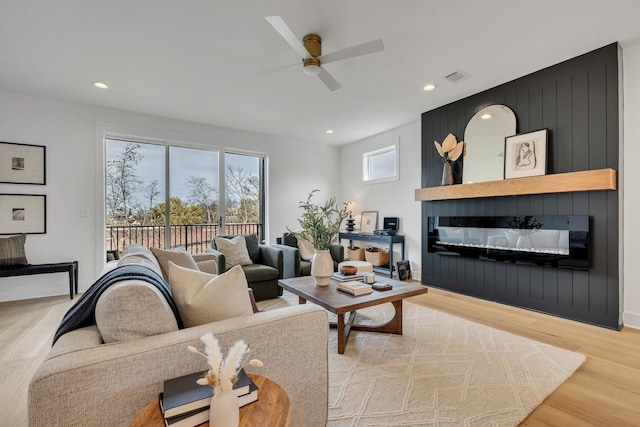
[
  {"x": 234, "y": 250},
  {"x": 202, "y": 297},
  {"x": 306, "y": 249}
]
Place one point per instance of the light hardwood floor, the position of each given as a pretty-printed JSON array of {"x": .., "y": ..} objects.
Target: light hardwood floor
[{"x": 605, "y": 391}]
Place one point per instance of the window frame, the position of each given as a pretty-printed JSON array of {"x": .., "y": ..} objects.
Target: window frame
[{"x": 393, "y": 147}]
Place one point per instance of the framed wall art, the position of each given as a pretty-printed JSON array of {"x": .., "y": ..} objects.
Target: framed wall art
[
  {"x": 525, "y": 154},
  {"x": 23, "y": 214},
  {"x": 369, "y": 221},
  {"x": 22, "y": 163}
]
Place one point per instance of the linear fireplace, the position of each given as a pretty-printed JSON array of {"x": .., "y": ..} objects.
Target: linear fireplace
[{"x": 559, "y": 241}]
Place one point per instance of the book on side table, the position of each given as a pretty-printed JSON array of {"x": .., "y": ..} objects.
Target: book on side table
[{"x": 183, "y": 395}]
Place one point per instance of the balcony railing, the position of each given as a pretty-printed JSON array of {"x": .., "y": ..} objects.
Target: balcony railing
[{"x": 195, "y": 238}]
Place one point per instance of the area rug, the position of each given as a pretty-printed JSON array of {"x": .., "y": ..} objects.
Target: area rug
[{"x": 443, "y": 371}]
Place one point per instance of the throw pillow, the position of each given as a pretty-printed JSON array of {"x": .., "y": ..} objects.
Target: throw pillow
[
  {"x": 12, "y": 250},
  {"x": 234, "y": 250},
  {"x": 203, "y": 298},
  {"x": 306, "y": 249},
  {"x": 177, "y": 256}
]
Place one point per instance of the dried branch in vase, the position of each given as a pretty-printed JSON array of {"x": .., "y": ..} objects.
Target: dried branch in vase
[{"x": 451, "y": 149}]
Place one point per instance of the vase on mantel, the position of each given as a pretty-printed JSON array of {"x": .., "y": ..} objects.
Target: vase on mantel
[
  {"x": 322, "y": 267},
  {"x": 447, "y": 174},
  {"x": 224, "y": 410}
]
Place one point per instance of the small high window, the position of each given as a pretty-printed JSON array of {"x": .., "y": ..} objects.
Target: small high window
[{"x": 380, "y": 165}]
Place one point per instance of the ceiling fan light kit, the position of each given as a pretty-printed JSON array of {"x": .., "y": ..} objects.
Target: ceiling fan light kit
[{"x": 311, "y": 51}]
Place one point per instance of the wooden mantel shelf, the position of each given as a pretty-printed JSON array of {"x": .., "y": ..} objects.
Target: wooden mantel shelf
[{"x": 591, "y": 180}]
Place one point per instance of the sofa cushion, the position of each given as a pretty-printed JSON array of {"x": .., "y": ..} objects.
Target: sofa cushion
[
  {"x": 253, "y": 247},
  {"x": 203, "y": 298},
  {"x": 234, "y": 250},
  {"x": 12, "y": 250},
  {"x": 178, "y": 256},
  {"x": 133, "y": 309},
  {"x": 138, "y": 254},
  {"x": 260, "y": 272}
]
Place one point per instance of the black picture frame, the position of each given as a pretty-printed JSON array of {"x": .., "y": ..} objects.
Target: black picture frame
[
  {"x": 22, "y": 163},
  {"x": 23, "y": 214}
]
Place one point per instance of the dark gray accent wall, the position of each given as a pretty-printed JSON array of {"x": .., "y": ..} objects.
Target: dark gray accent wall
[{"x": 577, "y": 101}]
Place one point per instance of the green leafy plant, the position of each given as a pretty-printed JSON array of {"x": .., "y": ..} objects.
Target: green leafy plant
[{"x": 320, "y": 223}]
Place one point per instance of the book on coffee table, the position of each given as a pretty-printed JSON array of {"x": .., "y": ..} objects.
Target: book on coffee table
[
  {"x": 347, "y": 277},
  {"x": 355, "y": 288}
]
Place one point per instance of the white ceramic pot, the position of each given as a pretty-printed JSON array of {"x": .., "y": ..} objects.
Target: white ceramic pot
[
  {"x": 224, "y": 411},
  {"x": 322, "y": 267}
]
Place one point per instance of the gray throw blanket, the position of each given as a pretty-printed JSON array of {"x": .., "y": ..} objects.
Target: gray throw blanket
[{"x": 83, "y": 312}]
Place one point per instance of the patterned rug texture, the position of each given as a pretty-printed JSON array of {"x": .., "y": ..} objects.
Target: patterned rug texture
[{"x": 443, "y": 371}]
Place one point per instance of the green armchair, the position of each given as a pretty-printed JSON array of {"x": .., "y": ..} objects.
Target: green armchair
[
  {"x": 263, "y": 274},
  {"x": 294, "y": 265}
]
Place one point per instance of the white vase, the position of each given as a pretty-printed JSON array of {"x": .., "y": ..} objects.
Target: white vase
[
  {"x": 322, "y": 267},
  {"x": 224, "y": 411}
]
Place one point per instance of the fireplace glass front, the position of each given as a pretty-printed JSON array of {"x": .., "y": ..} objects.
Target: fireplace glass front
[{"x": 559, "y": 241}]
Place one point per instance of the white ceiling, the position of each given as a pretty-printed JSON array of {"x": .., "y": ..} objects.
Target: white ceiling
[{"x": 193, "y": 59}]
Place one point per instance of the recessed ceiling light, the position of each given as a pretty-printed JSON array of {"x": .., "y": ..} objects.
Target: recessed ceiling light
[
  {"x": 429, "y": 87},
  {"x": 486, "y": 116},
  {"x": 329, "y": 131},
  {"x": 100, "y": 85}
]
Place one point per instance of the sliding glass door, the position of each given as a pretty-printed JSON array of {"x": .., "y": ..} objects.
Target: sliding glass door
[{"x": 169, "y": 196}]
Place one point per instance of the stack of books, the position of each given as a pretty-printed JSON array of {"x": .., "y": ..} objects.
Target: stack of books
[
  {"x": 184, "y": 403},
  {"x": 354, "y": 288},
  {"x": 347, "y": 277}
]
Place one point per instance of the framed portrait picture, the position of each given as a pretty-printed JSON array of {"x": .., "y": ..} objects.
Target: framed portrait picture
[
  {"x": 22, "y": 163},
  {"x": 23, "y": 214},
  {"x": 369, "y": 221},
  {"x": 525, "y": 154}
]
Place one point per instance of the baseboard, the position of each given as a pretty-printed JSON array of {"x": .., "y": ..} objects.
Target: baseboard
[{"x": 631, "y": 320}]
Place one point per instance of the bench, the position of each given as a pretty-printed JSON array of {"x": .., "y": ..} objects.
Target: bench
[{"x": 60, "y": 267}]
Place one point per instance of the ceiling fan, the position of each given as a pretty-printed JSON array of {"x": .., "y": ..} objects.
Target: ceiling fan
[{"x": 310, "y": 49}]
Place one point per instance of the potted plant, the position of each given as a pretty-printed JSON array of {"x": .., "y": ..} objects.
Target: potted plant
[{"x": 320, "y": 224}]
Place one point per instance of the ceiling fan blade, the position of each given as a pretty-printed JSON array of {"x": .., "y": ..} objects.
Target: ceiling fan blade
[
  {"x": 283, "y": 29},
  {"x": 275, "y": 70},
  {"x": 328, "y": 80},
  {"x": 358, "y": 50}
]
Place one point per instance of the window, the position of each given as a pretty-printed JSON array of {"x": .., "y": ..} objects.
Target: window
[
  {"x": 169, "y": 196},
  {"x": 380, "y": 165}
]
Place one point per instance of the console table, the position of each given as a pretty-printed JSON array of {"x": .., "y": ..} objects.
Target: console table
[{"x": 377, "y": 238}]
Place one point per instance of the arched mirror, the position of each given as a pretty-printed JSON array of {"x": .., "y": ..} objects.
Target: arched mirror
[{"x": 484, "y": 136}]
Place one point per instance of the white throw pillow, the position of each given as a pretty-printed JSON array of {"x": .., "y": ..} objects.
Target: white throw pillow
[
  {"x": 203, "y": 298},
  {"x": 234, "y": 250},
  {"x": 306, "y": 249}
]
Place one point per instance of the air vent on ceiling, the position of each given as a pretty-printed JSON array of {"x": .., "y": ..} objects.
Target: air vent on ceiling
[{"x": 457, "y": 76}]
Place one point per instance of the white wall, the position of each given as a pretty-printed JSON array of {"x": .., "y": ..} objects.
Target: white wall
[
  {"x": 69, "y": 132},
  {"x": 629, "y": 230},
  {"x": 395, "y": 198}
]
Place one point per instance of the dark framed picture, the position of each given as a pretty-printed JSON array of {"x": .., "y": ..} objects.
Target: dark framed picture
[
  {"x": 23, "y": 214},
  {"x": 22, "y": 163},
  {"x": 525, "y": 154},
  {"x": 369, "y": 221}
]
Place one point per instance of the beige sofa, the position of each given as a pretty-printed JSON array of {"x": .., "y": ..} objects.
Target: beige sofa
[{"x": 84, "y": 381}]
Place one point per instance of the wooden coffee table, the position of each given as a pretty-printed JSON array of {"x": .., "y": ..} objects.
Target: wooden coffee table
[
  {"x": 339, "y": 303},
  {"x": 272, "y": 408}
]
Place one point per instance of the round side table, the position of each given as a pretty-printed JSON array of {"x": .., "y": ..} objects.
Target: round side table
[{"x": 272, "y": 408}]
